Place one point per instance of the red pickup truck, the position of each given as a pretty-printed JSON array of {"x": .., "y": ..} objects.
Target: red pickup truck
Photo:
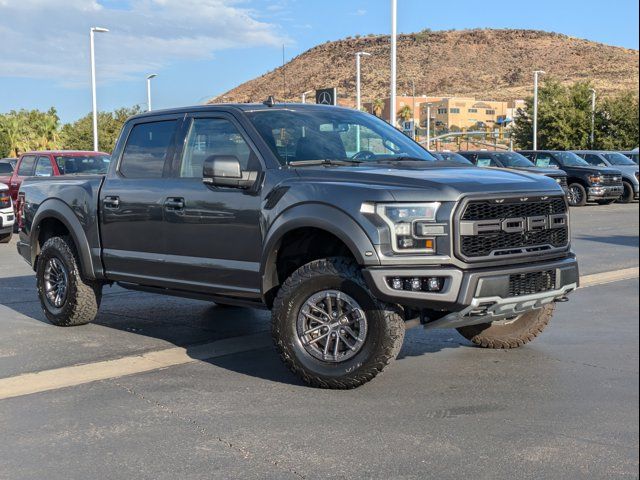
[{"x": 54, "y": 163}]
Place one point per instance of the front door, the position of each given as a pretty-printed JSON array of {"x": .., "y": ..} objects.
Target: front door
[
  {"x": 213, "y": 233},
  {"x": 132, "y": 203}
]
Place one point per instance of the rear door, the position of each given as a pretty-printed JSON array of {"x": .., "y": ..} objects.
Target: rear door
[
  {"x": 213, "y": 233},
  {"x": 132, "y": 202},
  {"x": 24, "y": 169}
]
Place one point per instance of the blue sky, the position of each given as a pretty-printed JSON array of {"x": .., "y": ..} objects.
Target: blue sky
[{"x": 201, "y": 48}]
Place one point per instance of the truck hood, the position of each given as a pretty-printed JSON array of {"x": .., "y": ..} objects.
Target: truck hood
[
  {"x": 592, "y": 169},
  {"x": 549, "y": 172},
  {"x": 410, "y": 181}
]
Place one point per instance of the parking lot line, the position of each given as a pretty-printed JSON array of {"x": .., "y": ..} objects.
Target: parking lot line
[{"x": 55, "y": 379}]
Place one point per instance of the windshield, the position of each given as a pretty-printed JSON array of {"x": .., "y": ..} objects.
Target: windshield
[
  {"x": 513, "y": 160},
  {"x": 83, "y": 164},
  {"x": 618, "y": 159},
  {"x": 570, "y": 159},
  {"x": 6, "y": 169},
  {"x": 452, "y": 157},
  {"x": 333, "y": 134}
]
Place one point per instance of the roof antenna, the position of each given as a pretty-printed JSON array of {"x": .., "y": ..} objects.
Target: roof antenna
[{"x": 270, "y": 102}]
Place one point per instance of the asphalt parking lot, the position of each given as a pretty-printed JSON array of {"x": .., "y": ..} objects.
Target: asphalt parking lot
[{"x": 566, "y": 406}]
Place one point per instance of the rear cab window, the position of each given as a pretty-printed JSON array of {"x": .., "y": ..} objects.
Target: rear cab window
[
  {"x": 148, "y": 148},
  {"x": 27, "y": 164}
]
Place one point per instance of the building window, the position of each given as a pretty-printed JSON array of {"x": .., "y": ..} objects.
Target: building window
[
  {"x": 454, "y": 110},
  {"x": 490, "y": 112},
  {"x": 442, "y": 111},
  {"x": 473, "y": 110}
]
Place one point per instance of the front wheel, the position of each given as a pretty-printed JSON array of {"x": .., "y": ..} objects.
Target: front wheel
[
  {"x": 627, "y": 196},
  {"x": 6, "y": 237},
  {"x": 330, "y": 330},
  {"x": 66, "y": 299},
  {"x": 577, "y": 195},
  {"x": 510, "y": 333}
]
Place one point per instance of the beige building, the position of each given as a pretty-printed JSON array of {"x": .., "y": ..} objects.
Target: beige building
[{"x": 464, "y": 113}]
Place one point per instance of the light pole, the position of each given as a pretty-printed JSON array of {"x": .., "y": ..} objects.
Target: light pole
[
  {"x": 394, "y": 26},
  {"x": 593, "y": 117},
  {"x": 358, "y": 96},
  {"x": 149, "y": 77},
  {"x": 93, "y": 84},
  {"x": 304, "y": 95},
  {"x": 428, "y": 126},
  {"x": 535, "y": 107}
]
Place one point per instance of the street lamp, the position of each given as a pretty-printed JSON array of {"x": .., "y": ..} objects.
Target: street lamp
[
  {"x": 593, "y": 117},
  {"x": 394, "y": 26},
  {"x": 358, "y": 96},
  {"x": 304, "y": 95},
  {"x": 535, "y": 107},
  {"x": 93, "y": 84},
  {"x": 149, "y": 77}
]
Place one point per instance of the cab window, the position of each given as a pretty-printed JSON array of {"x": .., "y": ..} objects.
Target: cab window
[
  {"x": 43, "y": 167},
  {"x": 26, "y": 166},
  {"x": 545, "y": 160},
  {"x": 594, "y": 160},
  {"x": 147, "y": 149}
]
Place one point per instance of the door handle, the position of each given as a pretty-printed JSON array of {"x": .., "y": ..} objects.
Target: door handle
[
  {"x": 174, "y": 204},
  {"x": 111, "y": 202}
]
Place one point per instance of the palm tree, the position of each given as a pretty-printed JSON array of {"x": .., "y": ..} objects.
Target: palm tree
[
  {"x": 378, "y": 107},
  {"x": 405, "y": 113}
]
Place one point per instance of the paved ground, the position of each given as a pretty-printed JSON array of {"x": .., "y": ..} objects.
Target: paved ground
[{"x": 564, "y": 407}]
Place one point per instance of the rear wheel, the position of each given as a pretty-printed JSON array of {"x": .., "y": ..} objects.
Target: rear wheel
[
  {"x": 66, "y": 299},
  {"x": 627, "y": 196},
  {"x": 510, "y": 333},
  {"x": 6, "y": 237},
  {"x": 330, "y": 330},
  {"x": 577, "y": 195}
]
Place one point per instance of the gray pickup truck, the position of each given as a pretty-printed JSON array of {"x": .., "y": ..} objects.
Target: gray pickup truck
[{"x": 341, "y": 225}]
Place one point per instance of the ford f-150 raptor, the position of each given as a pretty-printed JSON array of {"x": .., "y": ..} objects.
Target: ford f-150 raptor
[{"x": 341, "y": 225}]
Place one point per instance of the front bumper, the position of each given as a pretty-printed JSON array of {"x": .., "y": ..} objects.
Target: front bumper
[
  {"x": 605, "y": 193},
  {"x": 7, "y": 219},
  {"x": 474, "y": 296}
]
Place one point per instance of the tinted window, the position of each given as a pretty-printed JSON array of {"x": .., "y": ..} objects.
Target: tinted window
[
  {"x": 594, "y": 160},
  {"x": 618, "y": 159},
  {"x": 214, "y": 137},
  {"x": 570, "y": 159},
  {"x": 486, "y": 161},
  {"x": 147, "y": 148},
  {"x": 6, "y": 169},
  {"x": 513, "y": 159},
  {"x": 545, "y": 160},
  {"x": 43, "y": 167},
  {"x": 26, "y": 166},
  {"x": 83, "y": 164}
]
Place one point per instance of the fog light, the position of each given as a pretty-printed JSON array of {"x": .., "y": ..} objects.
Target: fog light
[
  {"x": 406, "y": 242},
  {"x": 396, "y": 283},
  {"x": 416, "y": 284},
  {"x": 434, "y": 284}
]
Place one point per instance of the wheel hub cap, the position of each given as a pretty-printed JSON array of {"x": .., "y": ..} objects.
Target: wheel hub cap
[
  {"x": 56, "y": 282},
  {"x": 331, "y": 326}
]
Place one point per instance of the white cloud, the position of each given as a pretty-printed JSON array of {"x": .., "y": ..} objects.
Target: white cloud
[{"x": 50, "y": 38}]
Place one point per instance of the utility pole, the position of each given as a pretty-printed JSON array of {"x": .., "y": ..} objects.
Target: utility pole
[
  {"x": 593, "y": 118},
  {"x": 535, "y": 107},
  {"x": 394, "y": 34}
]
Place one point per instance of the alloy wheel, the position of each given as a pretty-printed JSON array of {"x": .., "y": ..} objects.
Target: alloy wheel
[{"x": 56, "y": 282}]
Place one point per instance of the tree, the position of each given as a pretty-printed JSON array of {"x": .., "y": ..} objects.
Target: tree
[
  {"x": 378, "y": 107},
  {"x": 564, "y": 119},
  {"x": 405, "y": 113},
  {"x": 25, "y": 130},
  {"x": 79, "y": 134}
]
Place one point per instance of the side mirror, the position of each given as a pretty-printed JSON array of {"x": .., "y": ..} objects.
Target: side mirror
[{"x": 225, "y": 171}]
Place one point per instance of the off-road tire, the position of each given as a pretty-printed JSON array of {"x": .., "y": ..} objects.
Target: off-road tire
[
  {"x": 385, "y": 327},
  {"x": 627, "y": 196},
  {"x": 583, "y": 195},
  {"x": 510, "y": 335},
  {"x": 6, "y": 237},
  {"x": 83, "y": 297}
]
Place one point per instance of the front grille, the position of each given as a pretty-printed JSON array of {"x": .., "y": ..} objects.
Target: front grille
[
  {"x": 609, "y": 180},
  {"x": 495, "y": 242},
  {"x": 531, "y": 283},
  {"x": 488, "y": 210}
]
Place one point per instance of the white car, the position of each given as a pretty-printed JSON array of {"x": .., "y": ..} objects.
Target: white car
[{"x": 7, "y": 217}]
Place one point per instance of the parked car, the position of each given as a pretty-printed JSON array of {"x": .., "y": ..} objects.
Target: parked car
[
  {"x": 7, "y": 217},
  {"x": 451, "y": 157},
  {"x": 6, "y": 169},
  {"x": 55, "y": 163},
  {"x": 515, "y": 161},
  {"x": 633, "y": 155},
  {"x": 281, "y": 207},
  {"x": 617, "y": 160},
  {"x": 586, "y": 182}
]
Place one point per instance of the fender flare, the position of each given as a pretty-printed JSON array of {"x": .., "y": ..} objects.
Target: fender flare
[
  {"x": 320, "y": 216},
  {"x": 54, "y": 208}
]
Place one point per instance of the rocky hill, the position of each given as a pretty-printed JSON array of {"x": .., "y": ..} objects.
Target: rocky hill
[{"x": 487, "y": 64}]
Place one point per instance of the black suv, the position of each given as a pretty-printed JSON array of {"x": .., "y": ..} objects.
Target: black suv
[
  {"x": 586, "y": 182},
  {"x": 514, "y": 161}
]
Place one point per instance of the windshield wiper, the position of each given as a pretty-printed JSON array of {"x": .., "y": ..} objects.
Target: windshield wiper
[
  {"x": 403, "y": 158},
  {"x": 325, "y": 161}
]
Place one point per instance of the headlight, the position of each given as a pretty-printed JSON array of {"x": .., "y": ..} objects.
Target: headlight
[
  {"x": 595, "y": 178},
  {"x": 411, "y": 225}
]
